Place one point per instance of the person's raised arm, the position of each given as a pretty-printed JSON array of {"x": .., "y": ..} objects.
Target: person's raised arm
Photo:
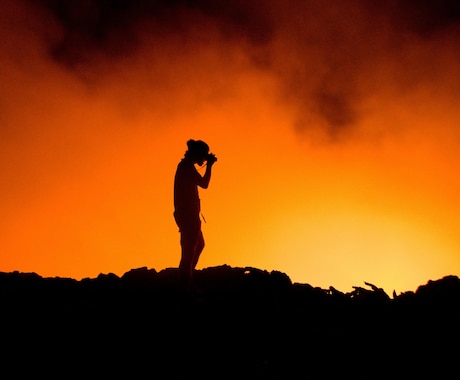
[{"x": 204, "y": 181}]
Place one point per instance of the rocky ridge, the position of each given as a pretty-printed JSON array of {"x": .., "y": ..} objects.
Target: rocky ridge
[{"x": 244, "y": 323}]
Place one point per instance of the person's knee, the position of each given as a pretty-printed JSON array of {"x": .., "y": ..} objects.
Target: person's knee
[
  {"x": 200, "y": 243},
  {"x": 188, "y": 240}
]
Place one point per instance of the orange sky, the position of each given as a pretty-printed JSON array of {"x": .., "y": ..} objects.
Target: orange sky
[{"x": 336, "y": 132}]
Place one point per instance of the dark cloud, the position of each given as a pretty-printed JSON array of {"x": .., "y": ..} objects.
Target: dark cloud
[
  {"x": 322, "y": 55},
  {"x": 351, "y": 51},
  {"x": 113, "y": 27},
  {"x": 428, "y": 17}
]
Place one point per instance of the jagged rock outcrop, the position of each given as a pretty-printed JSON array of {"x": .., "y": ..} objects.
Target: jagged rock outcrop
[{"x": 246, "y": 323}]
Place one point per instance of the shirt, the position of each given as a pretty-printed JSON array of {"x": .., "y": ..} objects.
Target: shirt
[{"x": 186, "y": 199}]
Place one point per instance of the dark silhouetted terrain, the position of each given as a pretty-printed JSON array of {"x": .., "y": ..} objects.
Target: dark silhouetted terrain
[{"x": 245, "y": 324}]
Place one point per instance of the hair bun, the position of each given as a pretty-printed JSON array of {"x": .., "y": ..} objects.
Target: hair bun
[{"x": 190, "y": 143}]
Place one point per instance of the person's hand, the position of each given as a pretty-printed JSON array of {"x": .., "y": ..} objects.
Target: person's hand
[{"x": 211, "y": 159}]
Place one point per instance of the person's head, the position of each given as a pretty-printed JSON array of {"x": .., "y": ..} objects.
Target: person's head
[{"x": 197, "y": 151}]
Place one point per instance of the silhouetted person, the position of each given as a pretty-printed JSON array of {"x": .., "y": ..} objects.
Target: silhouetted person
[{"x": 187, "y": 206}]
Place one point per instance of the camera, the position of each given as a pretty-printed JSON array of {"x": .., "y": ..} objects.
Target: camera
[{"x": 211, "y": 158}]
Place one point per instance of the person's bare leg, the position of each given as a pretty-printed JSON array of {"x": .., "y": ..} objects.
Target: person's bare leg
[
  {"x": 186, "y": 263},
  {"x": 198, "y": 249}
]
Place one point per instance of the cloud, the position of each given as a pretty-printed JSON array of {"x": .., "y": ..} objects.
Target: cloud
[
  {"x": 328, "y": 60},
  {"x": 114, "y": 29}
]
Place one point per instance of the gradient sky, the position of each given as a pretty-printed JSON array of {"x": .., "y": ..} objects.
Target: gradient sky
[{"x": 335, "y": 124}]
